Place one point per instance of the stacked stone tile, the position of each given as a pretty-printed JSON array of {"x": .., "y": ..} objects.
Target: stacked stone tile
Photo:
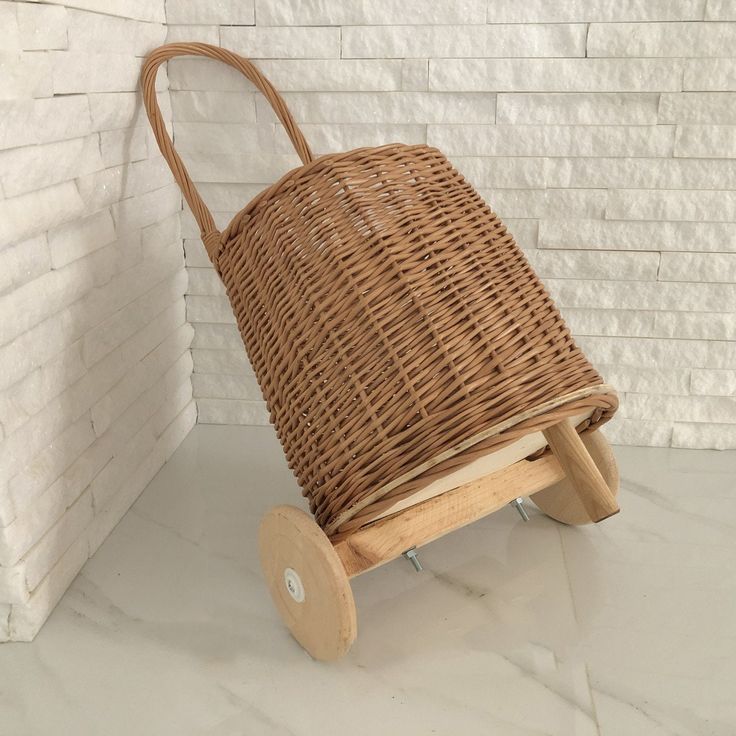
[
  {"x": 603, "y": 133},
  {"x": 95, "y": 367}
]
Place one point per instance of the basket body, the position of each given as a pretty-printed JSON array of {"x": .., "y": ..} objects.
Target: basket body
[
  {"x": 390, "y": 317},
  {"x": 395, "y": 328}
]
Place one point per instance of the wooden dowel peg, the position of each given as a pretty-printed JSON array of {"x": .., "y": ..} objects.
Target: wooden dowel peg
[{"x": 597, "y": 498}]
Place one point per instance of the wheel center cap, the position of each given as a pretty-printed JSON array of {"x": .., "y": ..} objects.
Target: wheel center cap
[{"x": 294, "y": 584}]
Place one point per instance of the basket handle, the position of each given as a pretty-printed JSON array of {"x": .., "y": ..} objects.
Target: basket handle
[{"x": 203, "y": 216}]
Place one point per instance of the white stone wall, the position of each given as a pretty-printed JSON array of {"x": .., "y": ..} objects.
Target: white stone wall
[
  {"x": 95, "y": 389},
  {"x": 603, "y": 132}
]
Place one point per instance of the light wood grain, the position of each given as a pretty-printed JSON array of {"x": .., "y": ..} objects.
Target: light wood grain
[
  {"x": 385, "y": 539},
  {"x": 560, "y": 500},
  {"x": 325, "y": 622},
  {"x": 583, "y": 474}
]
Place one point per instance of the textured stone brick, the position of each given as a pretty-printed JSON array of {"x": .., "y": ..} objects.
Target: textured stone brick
[
  {"x": 209, "y": 309},
  {"x": 705, "y": 326},
  {"x": 642, "y": 295},
  {"x": 11, "y": 31},
  {"x": 147, "y": 208},
  {"x": 42, "y": 27},
  {"x": 75, "y": 72},
  {"x": 621, "y": 431},
  {"x": 195, "y": 254},
  {"x": 24, "y": 262},
  {"x": 26, "y": 620},
  {"x": 205, "y": 282},
  {"x": 199, "y": 33},
  {"x": 710, "y": 74},
  {"x": 262, "y": 42},
  {"x": 36, "y": 167},
  {"x": 126, "y": 322},
  {"x": 705, "y": 382},
  {"x": 698, "y": 108},
  {"x": 707, "y": 267},
  {"x": 77, "y": 239},
  {"x": 110, "y": 515},
  {"x": 720, "y": 10},
  {"x": 543, "y": 11},
  {"x": 622, "y": 235},
  {"x": 261, "y": 167},
  {"x": 331, "y": 138},
  {"x": 122, "y": 146},
  {"x": 550, "y": 140},
  {"x": 603, "y": 108},
  {"x": 546, "y": 202},
  {"x": 503, "y": 41},
  {"x": 683, "y": 205},
  {"x": 36, "y": 390},
  {"x": 502, "y": 172},
  {"x": 661, "y": 39},
  {"x": 387, "y": 12},
  {"x": 606, "y": 265},
  {"x": 35, "y": 346},
  {"x": 111, "y": 110},
  {"x": 226, "y": 386},
  {"x": 290, "y": 75},
  {"x": 61, "y": 118},
  {"x": 637, "y": 173},
  {"x": 555, "y": 75},
  {"x": 415, "y": 74},
  {"x": 41, "y": 559},
  {"x": 25, "y": 74},
  {"x": 28, "y": 122},
  {"x": 646, "y": 380},
  {"x": 232, "y": 361},
  {"x": 98, "y": 33},
  {"x": 717, "y": 409},
  {"x": 613, "y": 322},
  {"x": 17, "y": 128},
  {"x": 166, "y": 405},
  {"x": 32, "y": 213},
  {"x": 48, "y": 465},
  {"x": 207, "y": 107},
  {"x": 385, "y": 107},
  {"x": 215, "y": 336},
  {"x": 704, "y": 435},
  {"x": 148, "y": 10},
  {"x": 13, "y": 586},
  {"x": 230, "y": 411},
  {"x": 194, "y": 12},
  {"x": 706, "y": 141},
  {"x": 220, "y": 138}
]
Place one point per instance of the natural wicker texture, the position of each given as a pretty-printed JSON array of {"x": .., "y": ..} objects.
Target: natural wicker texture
[{"x": 395, "y": 328}]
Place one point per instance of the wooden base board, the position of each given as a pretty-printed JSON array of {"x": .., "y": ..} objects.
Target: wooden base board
[{"x": 387, "y": 538}]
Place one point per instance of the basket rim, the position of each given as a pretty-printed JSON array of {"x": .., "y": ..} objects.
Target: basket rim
[
  {"x": 231, "y": 230},
  {"x": 348, "y": 513}
]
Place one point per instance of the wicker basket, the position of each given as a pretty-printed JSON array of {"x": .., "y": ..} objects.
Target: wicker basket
[{"x": 395, "y": 328}]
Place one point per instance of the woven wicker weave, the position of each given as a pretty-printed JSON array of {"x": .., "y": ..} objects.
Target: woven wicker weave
[{"x": 395, "y": 328}]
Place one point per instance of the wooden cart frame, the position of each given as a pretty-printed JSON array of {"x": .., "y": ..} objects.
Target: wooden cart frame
[{"x": 308, "y": 573}]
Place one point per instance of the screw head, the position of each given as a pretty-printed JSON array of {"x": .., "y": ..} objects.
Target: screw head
[{"x": 294, "y": 584}]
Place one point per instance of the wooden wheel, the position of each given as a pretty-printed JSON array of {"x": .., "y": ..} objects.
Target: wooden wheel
[
  {"x": 308, "y": 582},
  {"x": 561, "y": 502}
]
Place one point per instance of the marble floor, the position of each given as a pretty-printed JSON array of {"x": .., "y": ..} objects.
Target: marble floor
[{"x": 624, "y": 629}]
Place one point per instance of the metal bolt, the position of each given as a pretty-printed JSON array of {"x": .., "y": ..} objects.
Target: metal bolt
[
  {"x": 411, "y": 555},
  {"x": 518, "y": 503}
]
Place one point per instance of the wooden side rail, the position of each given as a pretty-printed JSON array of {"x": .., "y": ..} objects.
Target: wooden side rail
[
  {"x": 387, "y": 538},
  {"x": 583, "y": 474}
]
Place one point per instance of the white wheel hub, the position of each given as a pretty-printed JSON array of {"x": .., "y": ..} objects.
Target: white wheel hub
[{"x": 294, "y": 584}]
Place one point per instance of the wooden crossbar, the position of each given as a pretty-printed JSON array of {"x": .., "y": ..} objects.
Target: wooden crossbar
[{"x": 386, "y": 539}]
